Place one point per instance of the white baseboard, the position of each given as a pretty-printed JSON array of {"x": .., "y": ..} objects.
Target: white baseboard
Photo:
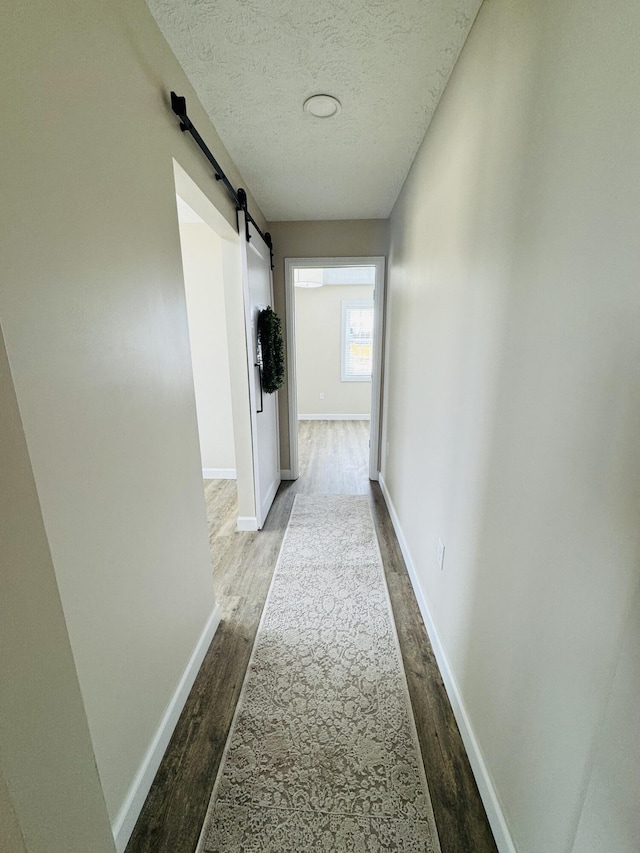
[
  {"x": 334, "y": 417},
  {"x": 285, "y": 474},
  {"x": 219, "y": 474},
  {"x": 483, "y": 779},
  {"x": 247, "y": 522},
  {"x": 137, "y": 793}
]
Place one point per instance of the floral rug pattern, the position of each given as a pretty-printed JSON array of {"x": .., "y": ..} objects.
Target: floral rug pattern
[{"x": 323, "y": 754}]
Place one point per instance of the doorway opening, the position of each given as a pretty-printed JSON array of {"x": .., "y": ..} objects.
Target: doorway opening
[
  {"x": 204, "y": 291},
  {"x": 334, "y": 346},
  {"x": 211, "y": 259}
]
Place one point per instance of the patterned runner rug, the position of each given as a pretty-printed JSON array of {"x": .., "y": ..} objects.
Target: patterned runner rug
[{"x": 323, "y": 753}]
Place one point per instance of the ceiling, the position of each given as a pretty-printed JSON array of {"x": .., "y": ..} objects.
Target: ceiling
[{"x": 254, "y": 62}]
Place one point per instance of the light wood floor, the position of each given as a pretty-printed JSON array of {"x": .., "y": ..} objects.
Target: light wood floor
[{"x": 333, "y": 460}]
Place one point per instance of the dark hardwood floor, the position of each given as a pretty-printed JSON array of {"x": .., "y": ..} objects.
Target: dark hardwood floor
[{"x": 333, "y": 460}]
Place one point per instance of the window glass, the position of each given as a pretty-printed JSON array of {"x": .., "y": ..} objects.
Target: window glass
[{"x": 357, "y": 341}]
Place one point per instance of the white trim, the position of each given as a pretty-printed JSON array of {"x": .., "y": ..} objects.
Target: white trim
[
  {"x": 285, "y": 474},
  {"x": 247, "y": 522},
  {"x": 219, "y": 474},
  {"x": 139, "y": 788},
  {"x": 481, "y": 772},
  {"x": 292, "y": 382},
  {"x": 377, "y": 261},
  {"x": 189, "y": 191},
  {"x": 334, "y": 417},
  {"x": 376, "y": 376}
]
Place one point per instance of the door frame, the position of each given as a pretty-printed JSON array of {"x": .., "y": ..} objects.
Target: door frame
[
  {"x": 378, "y": 262},
  {"x": 188, "y": 188}
]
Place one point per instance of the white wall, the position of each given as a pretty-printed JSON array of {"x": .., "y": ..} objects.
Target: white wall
[
  {"x": 93, "y": 309},
  {"x": 511, "y": 407},
  {"x": 204, "y": 288},
  {"x": 609, "y": 818},
  {"x": 50, "y": 794},
  {"x": 318, "y": 356}
]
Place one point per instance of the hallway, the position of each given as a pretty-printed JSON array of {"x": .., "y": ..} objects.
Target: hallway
[{"x": 333, "y": 460}]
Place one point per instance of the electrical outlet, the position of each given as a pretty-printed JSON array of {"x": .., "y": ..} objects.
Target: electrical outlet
[
  {"x": 441, "y": 554},
  {"x": 322, "y": 395}
]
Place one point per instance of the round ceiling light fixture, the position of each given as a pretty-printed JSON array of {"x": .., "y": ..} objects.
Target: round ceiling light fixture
[
  {"x": 322, "y": 106},
  {"x": 308, "y": 278}
]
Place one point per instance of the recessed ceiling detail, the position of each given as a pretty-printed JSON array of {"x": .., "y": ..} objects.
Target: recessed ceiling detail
[
  {"x": 307, "y": 278},
  {"x": 254, "y": 62},
  {"x": 322, "y": 106}
]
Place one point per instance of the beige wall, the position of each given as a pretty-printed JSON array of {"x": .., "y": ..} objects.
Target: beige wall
[
  {"x": 609, "y": 819},
  {"x": 204, "y": 288},
  {"x": 318, "y": 352},
  {"x": 511, "y": 408},
  {"x": 93, "y": 309},
  {"x": 50, "y": 794},
  {"x": 10, "y": 831},
  {"x": 338, "y": 238}
]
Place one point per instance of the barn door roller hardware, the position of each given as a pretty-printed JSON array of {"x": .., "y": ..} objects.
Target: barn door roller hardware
[{"x": 239, "y": 196}]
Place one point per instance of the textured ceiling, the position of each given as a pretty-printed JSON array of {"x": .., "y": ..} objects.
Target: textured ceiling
[{"x": 254, "y": 62}]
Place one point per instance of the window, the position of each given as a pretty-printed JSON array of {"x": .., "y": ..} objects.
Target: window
[{"x": 357, "y": 341}]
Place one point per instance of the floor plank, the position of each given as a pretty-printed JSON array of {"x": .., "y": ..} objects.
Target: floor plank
[{"x": 333, "y": 460}]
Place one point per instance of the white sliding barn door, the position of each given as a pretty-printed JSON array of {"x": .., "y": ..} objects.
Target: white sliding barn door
[{"x": 258, "y": 294}]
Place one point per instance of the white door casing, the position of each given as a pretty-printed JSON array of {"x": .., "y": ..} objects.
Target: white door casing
[
  {"x": 258, "y": 293},
  {"x": 378, "y": 262}
]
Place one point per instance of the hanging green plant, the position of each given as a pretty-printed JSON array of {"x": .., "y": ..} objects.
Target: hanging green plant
[{"x": 271, "y": 350}]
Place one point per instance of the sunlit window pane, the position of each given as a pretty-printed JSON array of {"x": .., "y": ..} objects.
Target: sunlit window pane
[{"x": 357, "y": 341}]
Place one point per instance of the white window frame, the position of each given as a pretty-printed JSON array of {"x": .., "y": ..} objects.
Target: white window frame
[{"x": 347, "y": 305}]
